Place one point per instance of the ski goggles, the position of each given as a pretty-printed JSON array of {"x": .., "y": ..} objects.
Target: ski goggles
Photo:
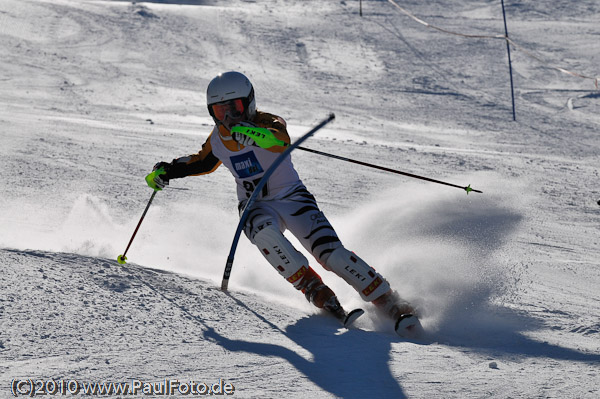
[{"x": 232, "y": 108}]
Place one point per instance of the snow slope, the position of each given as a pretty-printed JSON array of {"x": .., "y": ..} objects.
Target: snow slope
[{"x": 93, "y": 93}]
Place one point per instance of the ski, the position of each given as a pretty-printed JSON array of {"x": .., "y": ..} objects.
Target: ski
[
  {"x": 352, "y": 316},
  {"x": 408, "y": 326},
  {"x": 347, "y": 319}
]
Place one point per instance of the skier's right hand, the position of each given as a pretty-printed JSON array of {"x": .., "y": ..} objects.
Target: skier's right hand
[
  {"x": 248, "y": 134},
  {"x": 243, "y": 139},
  {"x": 157, "y": 180}
]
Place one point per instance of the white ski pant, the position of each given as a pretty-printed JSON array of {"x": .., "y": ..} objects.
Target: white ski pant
[{"x": 299, "y": 213}]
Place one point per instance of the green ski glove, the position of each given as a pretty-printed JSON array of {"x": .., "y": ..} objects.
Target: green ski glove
[
  {"x": 157, "y": 180},
  {"x": 260, "y": 136}
]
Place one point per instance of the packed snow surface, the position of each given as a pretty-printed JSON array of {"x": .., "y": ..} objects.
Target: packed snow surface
[{"x": 93, "y": 93}]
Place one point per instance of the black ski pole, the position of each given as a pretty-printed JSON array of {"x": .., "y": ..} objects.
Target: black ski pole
[
  {"x": 468, "y": 188},
  {"x": 122, "y": 258}
]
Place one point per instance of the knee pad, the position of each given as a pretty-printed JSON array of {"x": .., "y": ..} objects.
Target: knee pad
[
  {"x": 258, "y": 219},
  {"x": 281, "y": 254},
  {"x": 356, "y": 272}
]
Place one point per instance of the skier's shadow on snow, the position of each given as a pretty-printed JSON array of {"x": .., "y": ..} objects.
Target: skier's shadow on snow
[
  {"x": 501, "y": 332},
  {"x": 353, "y": 364}
]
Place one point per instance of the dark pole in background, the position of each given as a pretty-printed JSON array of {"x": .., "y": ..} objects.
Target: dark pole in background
[{"x": 512, "y": 90}]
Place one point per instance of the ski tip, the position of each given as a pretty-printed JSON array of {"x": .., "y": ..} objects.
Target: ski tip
[
  {"x": 408, "y": 326},
  {"x": 121, "y": 259},
  {"x": 352, "y": 316}
]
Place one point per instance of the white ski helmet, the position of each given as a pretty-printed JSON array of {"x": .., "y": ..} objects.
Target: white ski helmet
[{"x": 230, "y": 86}]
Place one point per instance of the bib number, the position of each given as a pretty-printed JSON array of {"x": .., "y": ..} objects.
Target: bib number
[{"x": 249, "y": 186}]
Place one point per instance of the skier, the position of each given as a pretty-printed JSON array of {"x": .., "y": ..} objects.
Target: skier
[{"x": 284, "y": 203}]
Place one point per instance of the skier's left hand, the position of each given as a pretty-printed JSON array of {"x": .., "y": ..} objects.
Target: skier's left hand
[{"x": 242, "y": 138}]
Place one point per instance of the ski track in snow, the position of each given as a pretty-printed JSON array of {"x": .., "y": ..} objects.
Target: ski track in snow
[{"x": 95, "y": 92}]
